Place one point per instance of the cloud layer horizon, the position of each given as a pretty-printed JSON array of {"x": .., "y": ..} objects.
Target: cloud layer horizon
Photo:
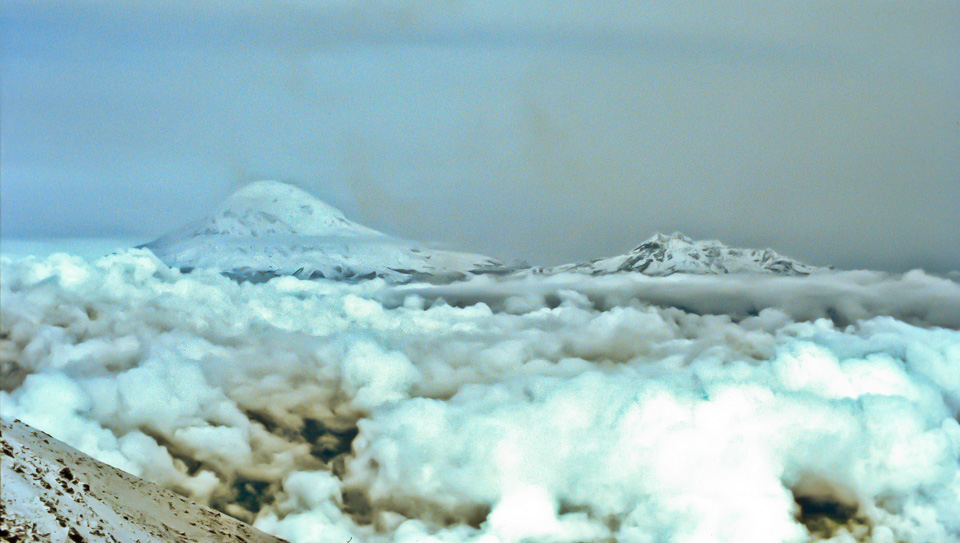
[{"x": 537, "y": 410}]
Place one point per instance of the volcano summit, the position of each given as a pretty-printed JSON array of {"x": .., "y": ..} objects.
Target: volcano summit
[{"x": 269, "y": 229}]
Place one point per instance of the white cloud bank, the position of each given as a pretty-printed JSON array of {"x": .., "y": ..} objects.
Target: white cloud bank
[{"x": 560, "y": 410}]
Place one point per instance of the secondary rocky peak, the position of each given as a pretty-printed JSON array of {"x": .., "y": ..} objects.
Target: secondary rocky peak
[
  {"x": 660, "y": 241},
  {"x": 269, "y": 228},
  {"x": 664, "y": 254}
]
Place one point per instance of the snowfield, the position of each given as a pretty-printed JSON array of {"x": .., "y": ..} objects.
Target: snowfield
[
  {"x": 269, "y": 229},
  {"x": 550, "y": 407}
]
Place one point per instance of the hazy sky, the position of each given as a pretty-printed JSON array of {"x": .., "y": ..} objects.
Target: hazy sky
[{"x": 548, "y": 131}]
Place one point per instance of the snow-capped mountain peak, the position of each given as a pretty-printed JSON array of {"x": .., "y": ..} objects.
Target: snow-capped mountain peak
[
  {"x": 265, "y": 208},
  {"x": 676, "y": 253},
  {"x": 268, "y": 229}
]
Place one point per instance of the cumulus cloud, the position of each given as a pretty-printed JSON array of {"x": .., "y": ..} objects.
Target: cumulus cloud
[
  {"x": 735, "y": 408},
  {"x": 843, "y": 297}
]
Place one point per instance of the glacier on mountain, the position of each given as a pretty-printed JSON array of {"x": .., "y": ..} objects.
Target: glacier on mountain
[
  {"x": 663, "y": 255},
  {"x": 269, "y": 229}
]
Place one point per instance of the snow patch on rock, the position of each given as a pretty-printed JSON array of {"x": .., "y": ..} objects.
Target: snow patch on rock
[{"x": 53, "y": 493}]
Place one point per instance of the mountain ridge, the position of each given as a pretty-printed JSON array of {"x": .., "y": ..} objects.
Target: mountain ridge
[
  {"x": 269, "y": 228},
  {"x": 662, "y": 255}
]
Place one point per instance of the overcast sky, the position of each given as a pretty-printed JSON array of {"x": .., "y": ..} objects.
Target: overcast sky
[{"x": 548, "y": 131}]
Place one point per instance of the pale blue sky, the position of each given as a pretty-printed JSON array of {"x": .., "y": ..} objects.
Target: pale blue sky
[{"x": 550, "y": 132}]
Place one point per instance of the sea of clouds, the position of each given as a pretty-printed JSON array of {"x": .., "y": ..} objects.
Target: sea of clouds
[{"x": 563, "y": 409}]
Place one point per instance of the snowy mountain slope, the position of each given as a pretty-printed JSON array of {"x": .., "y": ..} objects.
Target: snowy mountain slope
[
  {"x": 663, "y": 255},
  {"x": 269, "y": 229},
  {"x": 53, "y": 493}
]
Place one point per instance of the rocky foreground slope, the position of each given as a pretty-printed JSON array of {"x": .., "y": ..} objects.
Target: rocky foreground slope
[{"x": 52, "y": 493}]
